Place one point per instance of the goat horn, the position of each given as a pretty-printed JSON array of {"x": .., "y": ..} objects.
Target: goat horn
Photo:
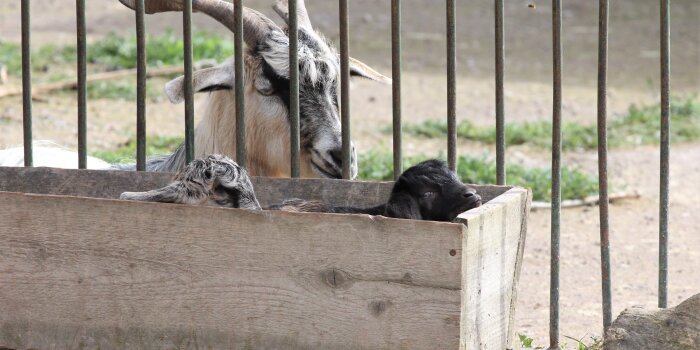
[
  {"x": 282, "y": 9},
  {"x": 255, "y": 24}
]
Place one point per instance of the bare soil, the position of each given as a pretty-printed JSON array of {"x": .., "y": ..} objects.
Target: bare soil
[{"x": 633, "y": 72}]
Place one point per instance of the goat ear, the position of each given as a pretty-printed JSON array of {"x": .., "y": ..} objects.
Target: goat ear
[
  {"x": 220, "y": 77},
  {"x": 402, "y": 205},
  {"x": 359, "y": 69}
]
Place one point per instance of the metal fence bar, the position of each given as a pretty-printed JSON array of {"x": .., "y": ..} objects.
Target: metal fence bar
[
  {"x": 189, "y": 93},
  {"x": 500, "y": 101},
  {"x": 82, "y": 83},
  {"x": 396, "y": 83},
  {"x": 451, "y": 87},
  {"x": 294, "y": 86},
  {"x": 140, "y": 87},
  {"x": 240, "y": 87},
  {"x": 345, "y": 86},
  {"x": 665, "y": 151},
  {"x": 556, "y": 177},
  {"x": 26, "y": 83},
  {"x": 603, "y": 162}
]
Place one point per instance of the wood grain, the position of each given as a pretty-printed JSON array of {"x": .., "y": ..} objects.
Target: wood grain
[
  {"x": 115, "y": 274},
  {"x": 492, "y": 251}
]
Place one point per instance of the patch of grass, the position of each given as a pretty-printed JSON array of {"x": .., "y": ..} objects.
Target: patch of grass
[
  {"x": 126, "y": 152},
  {"x": 115, "y": 52},
  {"x": 11, "y": 57},
  {"x": 637, "y": 126},
  {"x": 122, "y": 89},
  {"x": 378, "y": 165},
  {"x": 594, "y": 344}
]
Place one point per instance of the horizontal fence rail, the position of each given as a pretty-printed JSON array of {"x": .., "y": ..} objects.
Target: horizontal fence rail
[{"x": 345, "y": 109}]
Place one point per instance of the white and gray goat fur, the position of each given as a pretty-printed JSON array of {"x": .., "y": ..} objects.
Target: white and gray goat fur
[{"x": 267, "y": 96}]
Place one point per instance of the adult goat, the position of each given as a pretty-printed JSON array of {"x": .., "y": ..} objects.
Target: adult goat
[{"x": 267, "y": 95}]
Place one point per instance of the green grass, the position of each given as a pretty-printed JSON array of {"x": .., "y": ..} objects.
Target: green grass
[
  {"x": 594, "y": 343},
  {"x": 126, "y": 152},
  {"x": 378, "y": 165},
  {"x": 123, "y": 89},
  {"x": 637, "y": 126},
  {"x": 115, "y": 52}
]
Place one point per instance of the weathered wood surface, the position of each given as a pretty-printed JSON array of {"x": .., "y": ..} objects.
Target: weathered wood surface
[
  {"x": 675, "y": 328},
  {"x": 109, "y": 184},
  {"x": 115, "y": 274},
  {"x": 492, "y": 253}
]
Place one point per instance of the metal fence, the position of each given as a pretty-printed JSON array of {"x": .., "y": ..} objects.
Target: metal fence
[{"x": 396, "y": 100}]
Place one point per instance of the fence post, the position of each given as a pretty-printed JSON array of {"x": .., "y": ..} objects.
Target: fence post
[
  {"x": 556, "y": 177},
  {"x": 82, "y": 83},
  {"x": 189, "y": 98},
  {"x": 603, "y": 162},
  {"x": 396, "y": 84},
  {"x": 665, "y": 151},
  {"x": 140, "y": 87},
  {"x": 345, "y": 87},
  {"x": 27, "y": 82},
  {"x": 240, "y": 87}
]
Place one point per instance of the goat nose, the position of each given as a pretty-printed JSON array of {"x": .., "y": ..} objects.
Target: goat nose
[
  {"x": 336, "y": 155},
  {"x": 469, "y": 192}
]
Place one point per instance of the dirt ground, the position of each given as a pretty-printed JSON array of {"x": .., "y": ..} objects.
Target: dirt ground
[{"x": 633, "y": 76}]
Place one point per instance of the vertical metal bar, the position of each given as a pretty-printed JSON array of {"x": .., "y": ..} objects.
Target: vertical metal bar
[
  {"x": 556, "y": 177},
  {"x": 240, "y": 87},
  {"x": 665, "y": 151},
  {"x": 451, "y": 87},
  {"x": 189, "y": 93},
  {"x": 27, "y": 83},
  {"x": 500, "y": 101},
  {"x": 294, "y": 86},
  {"x": 396, "y": 82},
  {"x": 603, "y": 161},
  {"x": 345, "y": 87},
  {"x": 140, "y": 87},
  {"x": 82, "y": 84}
]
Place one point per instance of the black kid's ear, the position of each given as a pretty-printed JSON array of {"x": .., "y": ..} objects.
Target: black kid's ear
[{"x": 402, "y": 205}]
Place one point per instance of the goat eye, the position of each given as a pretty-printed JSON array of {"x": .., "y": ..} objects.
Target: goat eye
[
  {"x": 264, "y": 87},
  {"x": 428, "y": 195}
]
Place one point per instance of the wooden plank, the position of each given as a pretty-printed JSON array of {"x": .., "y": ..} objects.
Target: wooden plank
[
  {"x": 492, "y": 252},
  {"x": 109, "y": 184},
  {"x": 97, "y": 273}
]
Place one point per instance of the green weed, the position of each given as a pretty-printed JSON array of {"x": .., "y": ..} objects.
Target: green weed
[
  {"x": 637, "y": 126},
  {"x": 126, "y": 152},
  {"x": 595, "y": 343},
  {"x": 378, "y": 165},
  {"x": 114, "y": 52}
]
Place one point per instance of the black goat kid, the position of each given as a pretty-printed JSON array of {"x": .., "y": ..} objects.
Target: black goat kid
[{"x": 426, "y": 191}]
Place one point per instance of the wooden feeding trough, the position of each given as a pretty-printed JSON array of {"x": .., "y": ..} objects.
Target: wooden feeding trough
[{"x": 79, "y": 269}]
